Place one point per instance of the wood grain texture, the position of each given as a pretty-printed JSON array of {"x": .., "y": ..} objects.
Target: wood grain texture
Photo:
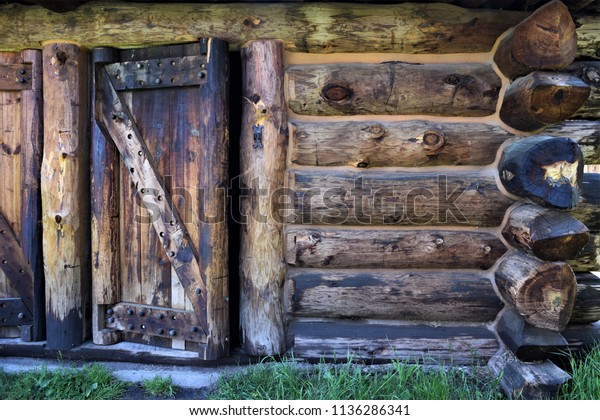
[
  {"x": 589, "y": 257},
  {"x": 527, "y": 342},
  {"x": 542, "y": 98},
  {"x": 31, "y": 227},
  {"x": 542, "y": 292},
  {"x": 548, "y": 234},
  {"x": 395, "y": 198},
  {"x": 213, "y": 165},
  {"x": 589, "y": 73},
  {"x": 117, "y": 123},
  {"x": 452, "y": 296},
  {"x": 587, "y": 300},
  {"x": 11, "y": 160},
  {"x": 406, "y": 143},
  {"x": 377, "y": 342},
  {"x": 586, "y": 133},
  {"x": 263, "y": 152},
  {"x": 105, "y": 217},
  {"x": 531, "y": 381},
  {"x": 547, "y": 170},
  {"x": 393, "y": 88},
  {"x": 545, "y": 40},
  {"x": 588, "y": 35},
  {"x": 326, "y": 27},
  {"x": 588, "y": 209},
  {"x": 316, "y": 247},
  {"x": 65, "y": 194}
]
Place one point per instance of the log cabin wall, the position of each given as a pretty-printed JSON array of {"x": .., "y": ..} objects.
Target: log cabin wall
[{"x": 357, "y": 110}]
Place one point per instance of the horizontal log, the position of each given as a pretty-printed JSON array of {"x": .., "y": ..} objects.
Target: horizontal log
[
  {"x": 542, "y": 292},
  {"x": 548, "y": 234},
  {"x": 545, "y": 40},
  {"x": 393, "y": 88},
  {"x": 406, "y": 143},
  {"x": 589, "y": 257},
  {"x": 588, "y": 209},
  {"x": 547, "y": 170},
  {"x": 542, "y": 98},
  {"x": 402, "y": 295},
  {"x": 531, "y": 381},
  {"x": 395, "y": 198},
  {"x": 582, "y": 337},
  {"x": 588, "y": 35},
  {"x": 587, "y": 300},
  {"x": 325, "y": 27},
  {"x": 589, "y": 73},
  {"x": 368, "y": 341},
  {"x": 379, "y": 248},
  {"x": 527, "y": 342},
  {"x": 586, "y": 133}
]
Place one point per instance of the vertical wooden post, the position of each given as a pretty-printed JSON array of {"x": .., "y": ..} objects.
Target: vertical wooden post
[
  {"x": 263, "y": 161},
  {"x": 65, "y": 194},
  {"x": 214, "y": 149},
  {"x": 31, "y": 230},
  {"x": 105, "y": 221}
]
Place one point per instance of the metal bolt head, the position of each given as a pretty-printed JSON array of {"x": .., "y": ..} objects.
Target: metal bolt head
[
  {"x": 160, "y": 316},
  {"x": 109, "y": 311},
  {"x": 22, "y": 80},
  {"x": 487, "y": 249},
  {"x": 22, "y": 71},
  {"x": 161, "y": 331},
  {"x": 198, "y": 291},
  {"x": 129, "y": 311},
  {"x": 130, "y": 326},
  {"x": 139, "y": 65},
  {"x": 226, "y": 298},
  {"x": 157, "y": 81},
  {"x": 111, "y": 320},
  {"x": 21, "y": 315},
  {"x": 194, "y": 329},
  {"x": 141, "y": 313},
  {"x": 172, "y": 254},
  {"x": 172, "y": 333}
]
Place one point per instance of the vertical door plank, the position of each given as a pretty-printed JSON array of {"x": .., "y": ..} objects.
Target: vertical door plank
[{"x": 105, "y": 217}]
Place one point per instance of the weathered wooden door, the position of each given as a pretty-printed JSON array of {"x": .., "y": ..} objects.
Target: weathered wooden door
[
  {"x": 159, "y": 244},
  {"x": 21, "y": 274}
]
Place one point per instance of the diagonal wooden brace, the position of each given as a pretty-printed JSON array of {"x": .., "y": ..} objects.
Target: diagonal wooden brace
[
  {"x": 15, "y": 265},
  {"x": 116, "y": 121}
]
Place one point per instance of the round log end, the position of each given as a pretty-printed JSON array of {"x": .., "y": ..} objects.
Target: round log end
[
  {"x": 547, "y": 39},
  {"x": 542, "y": 292},
  {"x": 546, "y": 170},
  {"x": 541, "y": 98}
]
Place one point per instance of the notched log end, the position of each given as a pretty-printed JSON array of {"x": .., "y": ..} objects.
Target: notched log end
[{"x": 545, "y": 40}]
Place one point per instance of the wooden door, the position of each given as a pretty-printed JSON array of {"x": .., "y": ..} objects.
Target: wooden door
[
  {"x": 21, "y": 274},
  {"x": 159, "y": 182}
]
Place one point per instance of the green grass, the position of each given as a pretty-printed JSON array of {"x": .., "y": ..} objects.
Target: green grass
[
  {"x": 92, "y": 382},
  {"x": 160, "y": 387},
  {"x": 585, "y": 384},
  {"x": 290, "y": 381}
]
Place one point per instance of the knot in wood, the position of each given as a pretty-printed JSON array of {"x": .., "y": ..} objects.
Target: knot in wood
[
  {"x": 336, "y": 93},
  {"x": 433, "y": 140}
]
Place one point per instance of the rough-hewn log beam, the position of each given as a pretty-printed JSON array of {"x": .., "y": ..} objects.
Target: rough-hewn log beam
[
  {"x": 324, "y": 27},
  {"x": 262, "y": 161},
  {"x": 587, "y": 301}
]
